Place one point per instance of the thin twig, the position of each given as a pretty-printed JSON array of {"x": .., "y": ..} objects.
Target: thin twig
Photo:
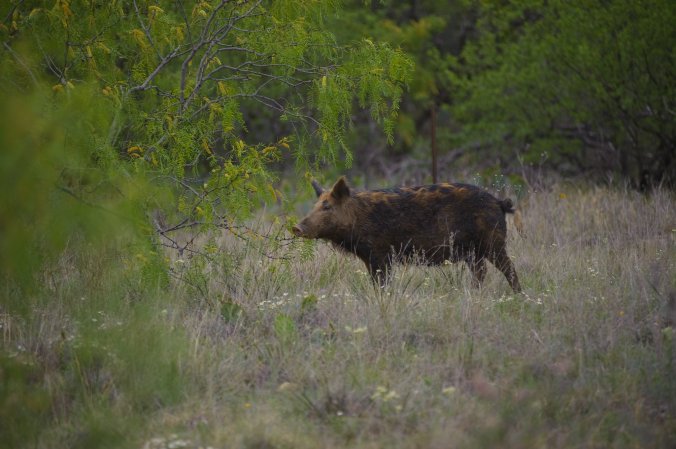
[
  {"x": 11, "y": 11},
  {"x": 21, "y": 62}
]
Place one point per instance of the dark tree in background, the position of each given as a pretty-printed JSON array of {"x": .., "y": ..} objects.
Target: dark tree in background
[{"x": 579, "y": 88}]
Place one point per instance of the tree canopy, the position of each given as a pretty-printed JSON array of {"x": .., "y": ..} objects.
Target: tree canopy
[
  {"x": 587, "y": 85},
  {"x": 177, "y": 105},
  {"x": 577, "y": 88}
]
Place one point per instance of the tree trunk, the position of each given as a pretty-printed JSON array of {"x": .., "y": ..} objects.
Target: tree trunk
[{"x": 433, "y": 141}]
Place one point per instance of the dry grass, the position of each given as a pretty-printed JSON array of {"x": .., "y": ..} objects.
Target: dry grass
[{"x": 307, "y": 353}]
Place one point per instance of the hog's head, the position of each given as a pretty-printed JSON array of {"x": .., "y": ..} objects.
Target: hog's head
[{"x": 331, "y": 214}]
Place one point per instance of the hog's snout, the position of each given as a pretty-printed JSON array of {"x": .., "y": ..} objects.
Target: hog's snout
[{"x": 297, "y": 231}]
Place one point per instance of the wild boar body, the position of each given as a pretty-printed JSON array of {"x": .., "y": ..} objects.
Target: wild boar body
[{"x": 429, "y": 224}]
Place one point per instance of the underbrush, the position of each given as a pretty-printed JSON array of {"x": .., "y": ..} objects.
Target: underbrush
[{"x": 261, "y": 348}]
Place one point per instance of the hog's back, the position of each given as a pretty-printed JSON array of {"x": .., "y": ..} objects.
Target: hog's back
[{"x": 441, "y": 222}]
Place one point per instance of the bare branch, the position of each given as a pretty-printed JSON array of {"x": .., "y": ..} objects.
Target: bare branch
[
  {"x": 146, "y": 31},
  {"x": 11, "y": 10},
  {"x": 21, "y": 62},
  {"x": 166, "y": 60}
]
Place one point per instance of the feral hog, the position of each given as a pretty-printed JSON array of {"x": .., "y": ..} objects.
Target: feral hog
[{"x": 432, "y": 224}]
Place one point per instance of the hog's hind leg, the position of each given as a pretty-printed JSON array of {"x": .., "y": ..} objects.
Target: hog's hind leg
[{"x": 502, "y": 262}]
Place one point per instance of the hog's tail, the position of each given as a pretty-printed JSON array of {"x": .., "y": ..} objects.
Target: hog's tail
[{"x": 507, "y": 206}]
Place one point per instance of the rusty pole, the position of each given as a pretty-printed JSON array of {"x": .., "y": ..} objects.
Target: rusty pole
[{"x": 433, "y": 141}]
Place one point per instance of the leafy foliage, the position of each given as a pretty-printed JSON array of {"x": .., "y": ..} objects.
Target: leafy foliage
[
  {"x": 425, "y": 31},
  {"x": 574, "y": 88},
  {"x": 152, "y": 102},
  {"x": 587, "y": 85}
]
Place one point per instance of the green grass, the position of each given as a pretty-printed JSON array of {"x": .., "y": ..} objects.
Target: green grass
[{"x": 258, "y": 352}]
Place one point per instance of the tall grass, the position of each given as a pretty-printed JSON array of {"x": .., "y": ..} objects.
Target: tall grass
[{"x": 253, "y": 351}]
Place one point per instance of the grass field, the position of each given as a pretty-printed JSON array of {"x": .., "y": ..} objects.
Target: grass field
[{"x": 259, "y": 352}]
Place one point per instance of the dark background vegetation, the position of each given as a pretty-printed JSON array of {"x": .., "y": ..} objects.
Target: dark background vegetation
[{"x": 581, "y": 89}]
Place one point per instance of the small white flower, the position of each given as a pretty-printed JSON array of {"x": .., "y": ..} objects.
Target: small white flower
[
  {"x": 448, "y": 391},
  {"x": 390, "y": 396}
]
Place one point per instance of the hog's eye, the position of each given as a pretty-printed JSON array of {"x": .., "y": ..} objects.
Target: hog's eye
[{"x": 326, "y": 205}]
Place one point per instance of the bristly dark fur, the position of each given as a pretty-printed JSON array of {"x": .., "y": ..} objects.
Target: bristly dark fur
[
  {"x": 433, "y": 223},
  {"x": 507, "y": 206}
]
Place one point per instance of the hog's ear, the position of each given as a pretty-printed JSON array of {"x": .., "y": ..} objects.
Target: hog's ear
[
  {"x": 340, "y": 189},
  {"x": 317, "y": 187}
]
